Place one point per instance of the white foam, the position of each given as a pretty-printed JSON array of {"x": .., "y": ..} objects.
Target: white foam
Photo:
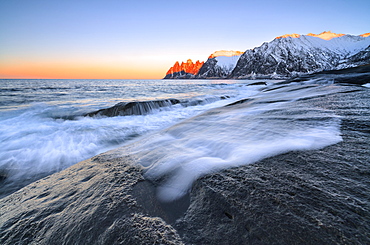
[
  {"x": 230, "y": 137},
  {"x": 32, "y": 142}
]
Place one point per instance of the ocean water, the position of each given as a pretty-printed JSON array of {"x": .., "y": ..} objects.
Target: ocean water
[{"x": 43, "y": 128}]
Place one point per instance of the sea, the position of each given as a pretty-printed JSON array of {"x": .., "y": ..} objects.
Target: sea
[
  {"x": 44, "y": 126},
  {"x": 43, "y": 130}
]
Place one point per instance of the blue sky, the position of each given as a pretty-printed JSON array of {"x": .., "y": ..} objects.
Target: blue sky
[{"x": 142, "y": 39}]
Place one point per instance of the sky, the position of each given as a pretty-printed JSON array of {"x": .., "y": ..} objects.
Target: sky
[{"x": 142, "y": 39}]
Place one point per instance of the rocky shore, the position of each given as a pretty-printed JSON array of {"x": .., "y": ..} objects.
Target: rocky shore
[{"x": 301, "y": 197}]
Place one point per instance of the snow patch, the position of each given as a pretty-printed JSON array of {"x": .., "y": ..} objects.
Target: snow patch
[{"x": 227, "y": 63}]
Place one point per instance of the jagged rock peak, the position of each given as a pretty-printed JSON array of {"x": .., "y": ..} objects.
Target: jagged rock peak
[
  {"x": 185, "y": 70},
  {"x": 227, "y": 53},
  {"x": 187, "y": 67},
  {"x": 365, "y": 34}
]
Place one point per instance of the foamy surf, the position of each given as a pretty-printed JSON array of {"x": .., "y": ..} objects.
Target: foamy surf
[
  {"x": 236, "y": 135},
  {"x": 42, "y": 138}
]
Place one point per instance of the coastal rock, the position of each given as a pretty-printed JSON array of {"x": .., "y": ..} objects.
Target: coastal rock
[
  {"x": 93, "y": 202},
  {"x": 133, "y": 108},
  {"x": 301, "y": 197}
]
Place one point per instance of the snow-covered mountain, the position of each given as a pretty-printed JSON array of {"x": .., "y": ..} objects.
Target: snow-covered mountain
[
  {"x": 295, "y": 54},
  {"x": 287, "y": 56},
  {"x": 220, "y": 64}
]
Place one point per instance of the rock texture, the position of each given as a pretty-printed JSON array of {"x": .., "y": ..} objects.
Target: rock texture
[
  {"x": 92, "y": 202},
  {"x": 133, "y": 108},
  {"x": 311, "y": 197}
]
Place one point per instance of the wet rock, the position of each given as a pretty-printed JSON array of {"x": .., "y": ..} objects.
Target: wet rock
[
  {"x": 305, "y": 197},
  {"x": 133, "y": 108},
  {"x": 258, "y": 83},
  {"x": 91, "y": 202}
]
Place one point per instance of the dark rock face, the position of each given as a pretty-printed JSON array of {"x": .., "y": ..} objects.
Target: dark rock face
[{"x": 133, "y": 108}]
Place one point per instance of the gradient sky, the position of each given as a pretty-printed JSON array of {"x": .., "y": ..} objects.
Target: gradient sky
[{"x": 142, "y": 39}]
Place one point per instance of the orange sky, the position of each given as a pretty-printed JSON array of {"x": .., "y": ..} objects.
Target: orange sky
[{"x": 61, "y": 70}]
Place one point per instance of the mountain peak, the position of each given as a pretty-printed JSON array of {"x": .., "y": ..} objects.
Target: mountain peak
[
  {"x": 227, "y": 53},
  {"x": 326, "y": 35},
  {"x": 294, "y": 35},
  {"x": 365, "y": 34}
]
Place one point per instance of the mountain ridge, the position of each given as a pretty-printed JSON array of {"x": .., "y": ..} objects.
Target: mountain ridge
[{"x": 286, "y": 56}]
